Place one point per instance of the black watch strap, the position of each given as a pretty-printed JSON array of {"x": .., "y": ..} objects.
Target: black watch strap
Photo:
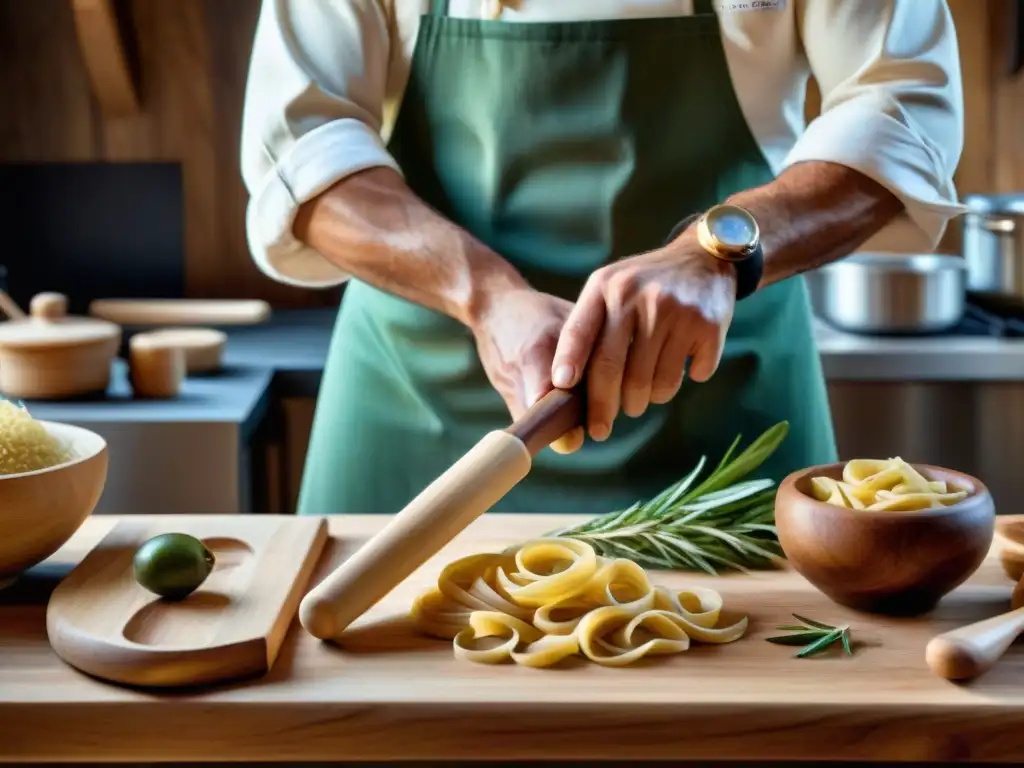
[{"x": 749, "y": 271}]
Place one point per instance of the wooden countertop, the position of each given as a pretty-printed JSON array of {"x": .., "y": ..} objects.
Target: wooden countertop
[{"x": 392, "y": 695}]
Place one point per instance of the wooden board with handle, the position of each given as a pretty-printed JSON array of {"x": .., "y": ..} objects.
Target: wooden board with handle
[
  {"x": 102, "y": 622},
  {"x": 187, "y": 312},
  {"x": 390, "y": 694}
]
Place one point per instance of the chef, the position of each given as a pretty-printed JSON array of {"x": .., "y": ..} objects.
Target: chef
[{"x": 614, "y": 194}]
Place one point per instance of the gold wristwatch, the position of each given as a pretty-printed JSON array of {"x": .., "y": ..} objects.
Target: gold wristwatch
[{"x": 730, "y": 233}]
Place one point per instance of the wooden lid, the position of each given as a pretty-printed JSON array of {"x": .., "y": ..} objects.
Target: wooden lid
[
  {"x": 49, "y": 327},
  {"x": 188, "y": 338}
]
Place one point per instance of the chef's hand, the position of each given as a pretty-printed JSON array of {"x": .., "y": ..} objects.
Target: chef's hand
[
  {"x": 636, "y": 323},
  {"x": 516, "y": 338}
]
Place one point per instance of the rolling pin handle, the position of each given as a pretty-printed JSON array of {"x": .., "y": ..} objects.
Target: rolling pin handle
[
  {"x": 468, "y": 489},
  {"x": 970, "y": 651},
  {"x": 317, "y": 618}
]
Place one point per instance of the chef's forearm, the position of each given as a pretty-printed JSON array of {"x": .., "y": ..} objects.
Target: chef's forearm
[
  {"x": 815, "y": 213},
  {"x": 375, "y": 228}
]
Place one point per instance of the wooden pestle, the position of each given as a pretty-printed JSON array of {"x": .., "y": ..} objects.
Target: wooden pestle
[
  {"x": 10, "y": 308},
  {"x": 970, "y": 651},
  {"x": 464, "y": 492}
]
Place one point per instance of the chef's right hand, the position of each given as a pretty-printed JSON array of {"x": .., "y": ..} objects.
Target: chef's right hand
[{"x": 516, "y": 336}]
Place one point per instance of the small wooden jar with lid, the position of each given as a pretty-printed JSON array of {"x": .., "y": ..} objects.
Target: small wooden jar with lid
[{"x": 49, "y": 355}]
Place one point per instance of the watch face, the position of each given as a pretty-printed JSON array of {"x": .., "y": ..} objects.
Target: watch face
[{"x": 734, "y": 228}]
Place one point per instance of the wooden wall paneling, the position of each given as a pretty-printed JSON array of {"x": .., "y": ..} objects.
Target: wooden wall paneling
[
  {"x": 229, "y": 34},
  {"x": 1008, "y": 94},
  {"x": 48, "y": 104},
  {"x": 194, "y": 56},
  {"x": 105, "y": 47},
  {"x": 977, "y": 163},
  {"x": 182, "y": 119}
]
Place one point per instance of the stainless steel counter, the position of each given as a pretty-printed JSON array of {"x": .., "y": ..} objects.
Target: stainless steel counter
[{"x": 848, "y": 357}]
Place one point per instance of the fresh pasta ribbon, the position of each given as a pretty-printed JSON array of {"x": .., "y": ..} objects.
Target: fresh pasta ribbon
[
  {"x": 892, "y": 485},
  {"x": 552, "y": 598}
]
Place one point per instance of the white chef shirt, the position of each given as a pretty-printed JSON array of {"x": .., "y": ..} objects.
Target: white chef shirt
[{"x": 327, "y": 78}]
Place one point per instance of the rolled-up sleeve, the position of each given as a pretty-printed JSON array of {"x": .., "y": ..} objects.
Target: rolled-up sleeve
[
  {"x": 313, "y": 109},
  {"x": 892, "y": 105}
]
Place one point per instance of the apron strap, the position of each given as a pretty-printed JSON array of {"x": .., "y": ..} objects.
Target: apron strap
[
  {"x": 438, "y": 7},
  {"x": 703, "y": 8}
]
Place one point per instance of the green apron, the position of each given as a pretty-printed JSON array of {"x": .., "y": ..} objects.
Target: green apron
[{"x": 563, "y": 146}]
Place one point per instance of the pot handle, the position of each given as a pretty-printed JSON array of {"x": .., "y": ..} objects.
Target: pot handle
[{"x": 998, "y": 226}]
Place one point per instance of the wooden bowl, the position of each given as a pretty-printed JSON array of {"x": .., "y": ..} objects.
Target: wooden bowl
[
  {"x": 41, "y": 510},
  {"x": 899, "y": 563},
  {"x": 1010, "y": 539}
]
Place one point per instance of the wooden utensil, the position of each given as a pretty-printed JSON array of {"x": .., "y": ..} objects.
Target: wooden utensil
[
  {"x": 49, "y": 355},
  {"x": 970, "y": 651},
  {"x": 203, "y": 347},
  {"x": 180, "y": 311},
  {"x": 102, "y": 622},
  {"x": 156, "y": 366},
  {"x": 468, "y": 489},
  {"x": 10, "y": 308}
]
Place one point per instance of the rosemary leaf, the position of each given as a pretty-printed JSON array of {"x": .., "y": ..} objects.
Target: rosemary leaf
[
  {"x": 815, "y": 636},
  {"x": 813, "y": 623},
  {"x": 821, "y": 644},
  {"x": 798, "y": 638},
  {"x": 753, "y": 457}
]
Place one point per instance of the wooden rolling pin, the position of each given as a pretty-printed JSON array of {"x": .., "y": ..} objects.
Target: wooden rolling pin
[
  {"x": 180, "y": 311},
  {"x": 970, "y": 651},
  {"x": 468, "y": 489}
]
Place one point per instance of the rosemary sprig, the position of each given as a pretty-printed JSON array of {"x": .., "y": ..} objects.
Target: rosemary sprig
[
  {"x": 814, "y": 636},
  {"x": 722, "y": 522}
]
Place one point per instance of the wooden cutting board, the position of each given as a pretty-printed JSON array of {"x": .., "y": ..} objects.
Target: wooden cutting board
[
  {"x": 102, "y": 622},
  {"x": 387, "y": 693}
]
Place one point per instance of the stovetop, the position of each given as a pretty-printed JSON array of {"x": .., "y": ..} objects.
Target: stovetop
[{"x": 985, "y": 319}]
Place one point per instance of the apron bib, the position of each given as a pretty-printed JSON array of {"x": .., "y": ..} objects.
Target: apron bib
[{"x": 563, "y": 146}]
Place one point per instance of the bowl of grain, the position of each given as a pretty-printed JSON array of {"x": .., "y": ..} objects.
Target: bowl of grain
[{"x": 51, "y": 478}]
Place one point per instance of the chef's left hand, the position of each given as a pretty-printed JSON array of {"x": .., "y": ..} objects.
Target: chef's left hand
[{"x": 636, "y": 323}]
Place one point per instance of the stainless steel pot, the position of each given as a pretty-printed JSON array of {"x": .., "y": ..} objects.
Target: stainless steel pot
[
  {"x": 993, "y": 245},
  {"x": 889, "y": 293}
]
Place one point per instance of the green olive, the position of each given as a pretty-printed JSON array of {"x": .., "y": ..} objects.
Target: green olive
[{"x": 173, "y": 565}]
